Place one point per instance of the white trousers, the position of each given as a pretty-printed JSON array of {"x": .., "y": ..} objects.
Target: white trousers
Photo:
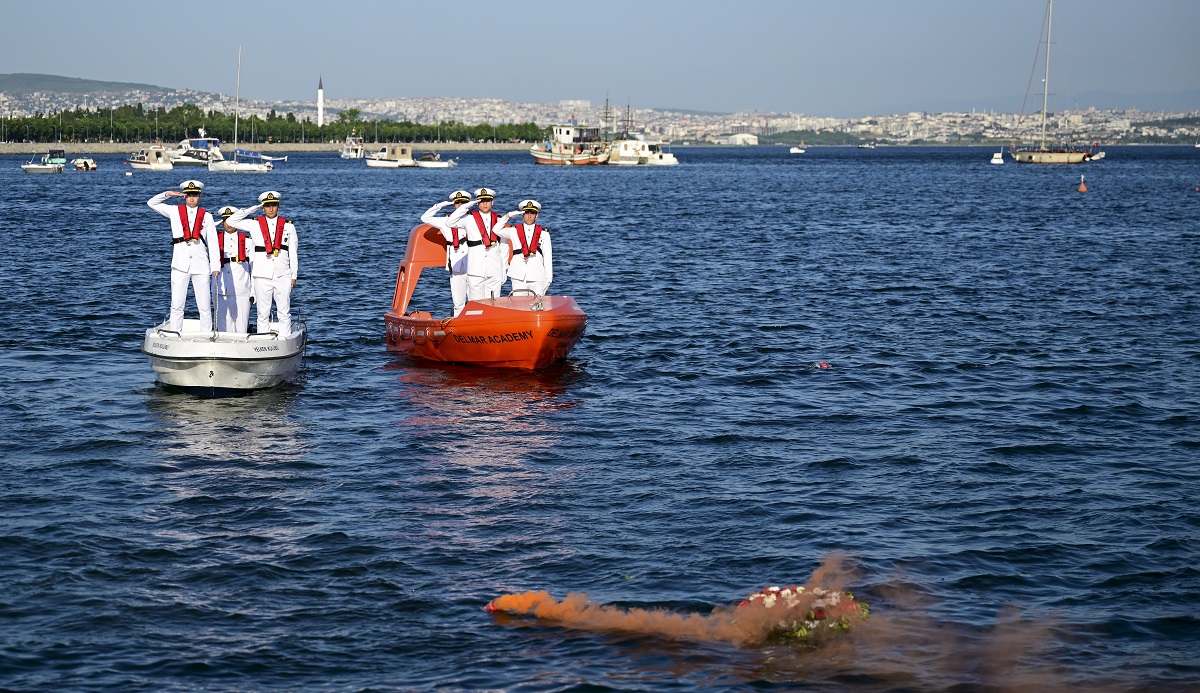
[
  {"x": 538, "y": 287},
  {"x": 233, "y": 298},
  {"x": 458, "y": 291},
  {"x": 279, "y": 290},
  {"x": 200, "y": 287}
]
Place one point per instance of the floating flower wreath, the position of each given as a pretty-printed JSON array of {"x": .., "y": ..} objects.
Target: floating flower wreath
[{"x": 803, "y": 613}]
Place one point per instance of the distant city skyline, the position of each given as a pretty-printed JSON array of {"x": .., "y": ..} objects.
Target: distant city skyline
[{"x": 846, "y": 59}]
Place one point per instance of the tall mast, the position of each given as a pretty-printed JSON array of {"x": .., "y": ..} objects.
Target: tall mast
[
  {"x": 1046, "y": 80},
  {"x": 238, "y": 92}
]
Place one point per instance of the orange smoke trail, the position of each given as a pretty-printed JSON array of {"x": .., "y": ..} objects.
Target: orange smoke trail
[{"x": 804, "y": 611}]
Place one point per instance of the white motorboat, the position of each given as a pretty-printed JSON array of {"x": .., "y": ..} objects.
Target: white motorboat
[
  {"x": 392, "y": 156},
  {"x": 84, "y": 163},
  {"x": 244, "y": 162},
  {"x": 152, "y": 158},
  {"x": 353, "y": 148},
  {"x": 52, "y": 162},
  {"x": 217, "y": 364},
  {"x": 196, "y": 151},
  {"x": 998, "y": 157},
  {"x": 796, "y": 150},
  {"x": 658, "y": 156},
  {"x": 628, "y": 152},
  {"x": 434, "y": 160}
]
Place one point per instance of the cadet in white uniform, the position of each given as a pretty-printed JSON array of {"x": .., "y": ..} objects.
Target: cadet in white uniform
[
  {"x": 456, "y": 246},
  {"x": 274, "y": 262},
  {"x": 532, "y": 265},
  {"x": 486, "y": 256},
  {"x": 195, "y": 257},
  {"x": 234, "y": 287}
]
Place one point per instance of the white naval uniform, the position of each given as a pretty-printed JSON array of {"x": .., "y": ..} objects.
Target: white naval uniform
[
  {"x": 272, "y": 274},
  {"x": 485, "y": 263},
  {"x": 456, "y": 258},
  {"x": 191, "y": 261},
  {"x": 233, "y": 284},
  {"x": 536, "y": 272}
]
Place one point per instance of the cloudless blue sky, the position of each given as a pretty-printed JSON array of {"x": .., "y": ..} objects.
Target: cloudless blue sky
[{"x": 831, "y": 57}]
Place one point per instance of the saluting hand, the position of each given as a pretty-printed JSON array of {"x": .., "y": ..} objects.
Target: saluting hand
[{"x": 173, "y": 193}]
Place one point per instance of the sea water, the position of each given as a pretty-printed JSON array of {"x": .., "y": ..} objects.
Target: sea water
[{"x": 969, "y": 391}]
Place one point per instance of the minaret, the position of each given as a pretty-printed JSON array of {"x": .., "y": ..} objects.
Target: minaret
[{"x": 320, "y": 102}]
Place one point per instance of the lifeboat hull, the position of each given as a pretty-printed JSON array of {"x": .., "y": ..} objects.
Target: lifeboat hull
[{"x": 527, "y": 332}]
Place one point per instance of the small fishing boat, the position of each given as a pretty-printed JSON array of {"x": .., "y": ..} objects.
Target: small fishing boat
[
  {"x": 352, "y": 148},
  {"x": 998, "y": 157},
  {"x": 523, "y": 331},
  {"x": 84, "y": 163},
  {"x": 392, "y": 156},
  {"x": 53, "y": 161},
  {"x": 218, "y": 364},
  {"x": 434, "y": 160},
  {"x": 571, "y": 145},
  {"x": 152, "y": 158}
]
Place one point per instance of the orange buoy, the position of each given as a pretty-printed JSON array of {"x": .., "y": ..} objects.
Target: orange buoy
[{"x": 1082, "y": 187}]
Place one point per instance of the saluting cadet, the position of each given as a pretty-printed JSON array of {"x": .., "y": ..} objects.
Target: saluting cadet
[
  {"x": 273, "y": 264},
  {"x": 195, "y": 257},
  {"x": 456, "y": 246},
  {"x": 233, "y": 285},
  {"x": 486, "y": 256},
  {"x": 532, "y": 264}
]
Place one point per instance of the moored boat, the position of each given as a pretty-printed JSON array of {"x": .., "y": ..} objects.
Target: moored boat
[
  {"x": 352, "y": 148},
  {"x": 627, "y": 152},
  {"x": 571, "y": 145},
  {"x": 658, "y": 155},
  {"x": 53, "y": 161},
  {"x": 523, "y": 331},
  {"x": 84, "y": 163},
  {"x": 152, "y": 158},
  {"x": 217, "y": 364},
  {"x": 1040, "y": 153},
  {"x": 434, "y": 160},
  {"x": 196, "y": 151},
  {"x": 392, "y": 156}
]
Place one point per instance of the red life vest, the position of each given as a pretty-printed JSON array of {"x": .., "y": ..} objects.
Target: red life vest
[
  {"x": 192, "y": 234},
  {"x": 272, "y": 248},
  {"x": 530, "y": 248},
  {"x": 489, "y": 237},
  {"x": 241, "y": 246}
]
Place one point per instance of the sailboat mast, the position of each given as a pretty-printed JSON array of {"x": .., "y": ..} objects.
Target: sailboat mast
[
  {"x": 1046, "y": 80},
  {"x": 237, "y": 104}
]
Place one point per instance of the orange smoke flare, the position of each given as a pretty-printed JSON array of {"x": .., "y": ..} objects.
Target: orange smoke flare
[{"x": 795, "y": 612}]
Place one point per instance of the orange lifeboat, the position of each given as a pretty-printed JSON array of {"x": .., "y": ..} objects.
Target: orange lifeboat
[{"x": 517, "y": 331}]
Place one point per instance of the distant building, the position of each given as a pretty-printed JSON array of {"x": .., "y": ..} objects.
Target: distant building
[
  {"x": 320, "y": 101},
  {"x": 742, "y": 139}
]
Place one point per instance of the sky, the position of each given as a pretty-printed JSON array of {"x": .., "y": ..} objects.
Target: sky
[{"x": 838, "y": 58}]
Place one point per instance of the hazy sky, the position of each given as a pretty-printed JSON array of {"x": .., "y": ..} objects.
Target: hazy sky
[{"x": 830, "y": 57}]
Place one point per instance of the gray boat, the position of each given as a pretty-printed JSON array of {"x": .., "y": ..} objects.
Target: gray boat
[{"x": 220, "y": 364}]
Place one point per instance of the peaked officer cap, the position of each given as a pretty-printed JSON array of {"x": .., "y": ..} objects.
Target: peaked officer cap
[
  {"x": 530, "y": 206},
  {"x": 270, "y": 197},
  {"x": 460, "y": 196},
  {"x": 227, "y": 212},
  {"x": 191, "y": 186},
  {"x": 483, "y": 194}
]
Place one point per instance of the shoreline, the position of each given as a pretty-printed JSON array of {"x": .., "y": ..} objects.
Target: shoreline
[{"x": 73, "y": 148}]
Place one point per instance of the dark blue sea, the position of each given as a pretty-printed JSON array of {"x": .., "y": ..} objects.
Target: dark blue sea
[{"x": 1002, "y": 458}]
